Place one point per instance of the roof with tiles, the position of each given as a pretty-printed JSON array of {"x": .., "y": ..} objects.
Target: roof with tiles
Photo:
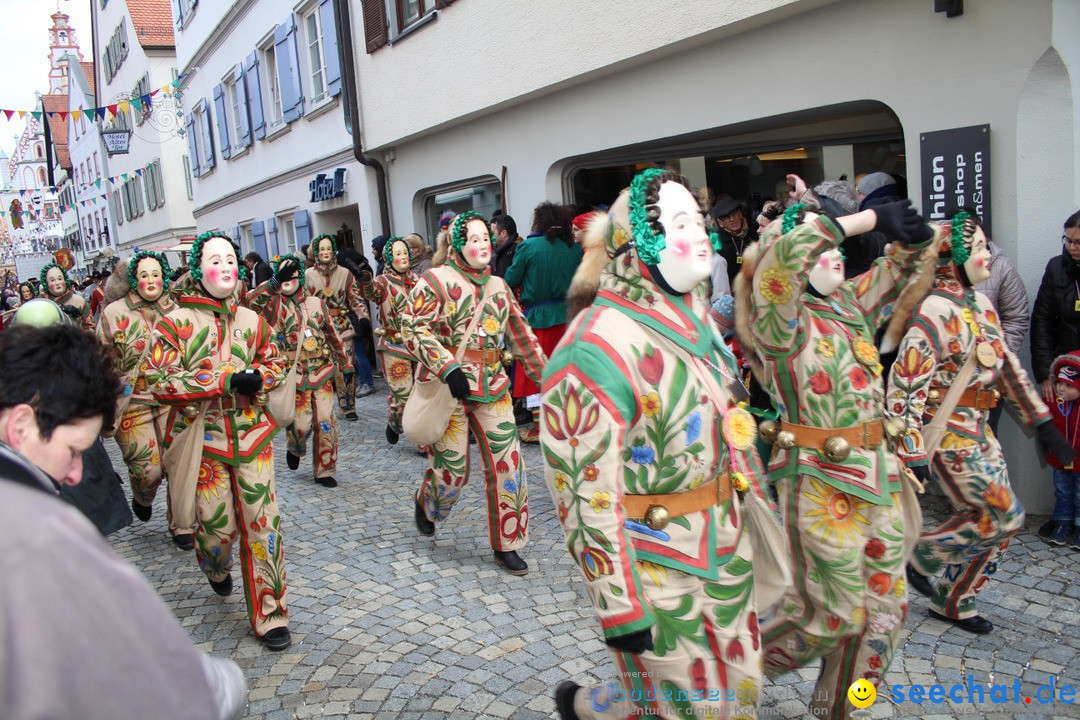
[
  {"x": 153, "y": 22},
  {"x": 58, "y": 127},
  {"x": 88, "y": 73}
]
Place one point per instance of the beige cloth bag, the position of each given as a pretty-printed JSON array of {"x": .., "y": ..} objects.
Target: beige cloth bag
[
  {"x": 429, "y": 407},
  {"x": 282, "y": 400}
]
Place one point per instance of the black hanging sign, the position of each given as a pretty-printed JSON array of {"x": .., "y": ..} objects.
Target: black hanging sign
[{"x": 956, "y": 172}]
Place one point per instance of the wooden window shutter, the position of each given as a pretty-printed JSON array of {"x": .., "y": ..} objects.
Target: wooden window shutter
[
  {"x": 376, "y": 33},
  {"x": 440, "y": 4}
]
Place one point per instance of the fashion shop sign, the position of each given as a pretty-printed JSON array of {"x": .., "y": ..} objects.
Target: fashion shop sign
[
  {"x": 956, "y": 172},
  {"x": 327, "y": 188}
]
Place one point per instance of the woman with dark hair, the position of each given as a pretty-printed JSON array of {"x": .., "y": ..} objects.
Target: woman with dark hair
[
  {"x": 544, "y": 264},
  {"x": 1055, "y": 319}
]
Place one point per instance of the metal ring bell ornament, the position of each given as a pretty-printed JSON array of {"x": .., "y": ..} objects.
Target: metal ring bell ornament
[
  {"x": 768, "y": 430},
  {"x": 894, "y": 430},
  {"x": 785, "y": 439},
  {"x": 657, "y": 517},
  {"x": 836, "y": 449},
  {"x": 507, "y": 357}
]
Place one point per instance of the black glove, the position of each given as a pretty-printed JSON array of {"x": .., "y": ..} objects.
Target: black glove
[
  {"x": 636, "y": 642},
  {"x": 287, "y": 270},
  {"x": 899, "y": 221},
  {"x": 245, "y": 383},
  {"x": 1053, "y": 443},
  {"x": 921, "y": 473},
  {"x": 458, "y": 383},
  {"x": 72, "y": 312}
]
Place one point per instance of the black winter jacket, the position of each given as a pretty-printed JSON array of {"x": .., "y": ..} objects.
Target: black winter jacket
[{"x": 1055, "y": 320}]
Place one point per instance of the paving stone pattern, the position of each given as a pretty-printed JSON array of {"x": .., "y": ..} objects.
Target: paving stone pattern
[{"x": 389, "y": 624}]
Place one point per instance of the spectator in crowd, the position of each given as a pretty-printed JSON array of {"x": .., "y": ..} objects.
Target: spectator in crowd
[
  {"x": 378, "y": 244},
  {"x": 580, "y": 222},
  {"x": 1055, "y": 319},
  {"x": 1064, "y": 525},
  {"x": 420, "y": 252},
  {"x": 122, "y": 653},
  {"x": 97, "y": 294},
  {"x": 735, "y": 233},
  {"x": 505, "y": 234},
  {"x": 257, "y": 269}
]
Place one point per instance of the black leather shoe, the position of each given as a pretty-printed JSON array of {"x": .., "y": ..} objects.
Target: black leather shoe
[
  {"x": 975, "y": 624},
  {"x": 277, "y": 639},
  {"x": 564, "y": 699},
  {"x": 327, "y": 481},
  {"x": 143, "y": 512},
  {"x": 512, "y": 562},
  {"x": 392, "y": 435},
  {"x": 919, "y": 582},
  {"x": 184, "y": 541},
  {"x": 293, "y": 461},
  {"x": 1044, "y": 532},
  {"x": 223, "y": 587},
  {"x": 425, "y": 526}
]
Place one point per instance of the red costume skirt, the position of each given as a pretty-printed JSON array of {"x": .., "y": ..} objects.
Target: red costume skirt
[{"x": 549, "y": 338}]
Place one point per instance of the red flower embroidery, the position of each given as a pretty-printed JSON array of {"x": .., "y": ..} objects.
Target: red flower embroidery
[
  {"x": 820, "y": 382},
  {"x": 874, "y": 661},
  {"x": 858, "y": 378},
  {"x": 875, "y": 549},
  {"x": 735, "y": 652},
  {"x": 754, "y": 635},
  {"x": 122, "y": 322},
  {"x": 651, "y": 366}
]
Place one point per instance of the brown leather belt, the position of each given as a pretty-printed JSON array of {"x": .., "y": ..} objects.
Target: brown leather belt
[
  {"x": 484, "y": 357},
  {"x": 978, "y": 399},
  {"x": 868, "y": 435},
  {"x": 140, "y": 384},
  {"x": 656, "y": 511}
]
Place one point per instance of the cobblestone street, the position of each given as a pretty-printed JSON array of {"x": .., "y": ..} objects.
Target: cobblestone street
[{"x": 389, "y": 624}]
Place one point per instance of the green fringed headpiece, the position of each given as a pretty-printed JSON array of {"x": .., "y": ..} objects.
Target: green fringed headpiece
[
  {"x": 960, "y": 253},
  {"x": 45, "y": 270},
  {"x": 791, "y": 216},
  {"x": 195, "y": 255},
  {"x": 648, "y": 242},
  {"x": 457, "y": 229},
  {"x": 275, "y": 263},
  {"x": 399, "y": 238},
  {"x": 320, "y": 238},
  {"x": 133, "y": 265}
]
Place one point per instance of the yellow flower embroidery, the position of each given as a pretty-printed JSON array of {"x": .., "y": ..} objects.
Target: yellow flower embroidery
[
  {"x": 451, "y": 307},
  {"x": 490, "y": 325},
  {"x": 776, "y": 288},
  {"x": 619, "y": 237},
  {"x": 657, "y": 573},
  {"x": 952, "y": 441},
  {"x": 258, "y": 550},
  {"x": 858, "y": 616},
  {"x": 455, "y": 429},
  {"x": 600, "y": 501},
  {"x": 650, "y": 405},
  {"x": 560, "y": 481},
  {"x": 837, "y": 514},
  {"x": 898, "y": 587},
  {"x": 826, "y": 348}
]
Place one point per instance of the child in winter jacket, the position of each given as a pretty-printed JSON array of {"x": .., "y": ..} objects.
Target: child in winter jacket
[{"x": 1064, "y": 527}]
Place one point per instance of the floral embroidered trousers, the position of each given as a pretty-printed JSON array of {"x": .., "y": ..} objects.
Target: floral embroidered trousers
[
  {"x": 139, "y": 437},
  {"x": 346, "y": 391},
  {"x": 315, "y": 416},
  {"x": 706, "y": 656},
  {"x": 968, "y": 545},
  {"x": 399, "y": 376},
  {"x": 240, "y": 504},
  {"x": 849, "y": 599},
  {"x": 504, "y": 477}
]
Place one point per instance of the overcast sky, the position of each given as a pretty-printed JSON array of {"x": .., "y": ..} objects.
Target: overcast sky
[{"x": 24, "y": 54}]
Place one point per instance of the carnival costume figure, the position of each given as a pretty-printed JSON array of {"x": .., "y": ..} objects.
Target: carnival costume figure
[
  {"x": 212, "y": 362},
  {"x": 124, "y": 329},
  {"x": 391, "y": 290},
  {"x": 57, "y": 287},
  {"x": 810, "y": 335},
  {"x": 298, "y": 317},
  {"x": 649, "y": 458},
  {"x": 433, "y": 325},
  {"x": 337, "y": 287},
  {"x": 956, "y": 338}
]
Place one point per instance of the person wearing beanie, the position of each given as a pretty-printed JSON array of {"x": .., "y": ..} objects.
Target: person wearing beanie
[
  {"x": 955, "y": 339},
  {"x": 736, "y": 233},
  {"x": 1064, "y": 526},
  {"x": 434, "y": 321},
  {"x": 874, "y": 183}
]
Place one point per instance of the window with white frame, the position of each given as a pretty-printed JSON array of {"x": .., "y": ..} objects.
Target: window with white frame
[
  {"x": 155, "y": 190},
  {"x": 286, "y": 233},
  {"x": 247, "y": 239},
  {"x": 234, "y": 108},
  {"x": 141, "y": 90},
  {"x": 273, "y": 89},
  {"x": 313, "y": 36}
]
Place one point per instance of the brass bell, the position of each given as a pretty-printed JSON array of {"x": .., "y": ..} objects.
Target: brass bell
[
  {"x": 260, "y": 399},
  {"x": 190, "y": 411},
  {"x": 996, "y": 393},
  {"x": 507, "y": 357},
  {"x": 768, "y": 430},
  {"x": 785, "y": 439},
  {"x": 895, "y": 427},
  {"x": 934, "y": 397},
  {"x": 380, "y": 332},
  {"x": 657, "y": 517},
  {"x": 836, "y": 449}
]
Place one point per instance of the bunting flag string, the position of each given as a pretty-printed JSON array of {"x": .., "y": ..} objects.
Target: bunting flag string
[
  {"x": 106, "y": 112},
  {"x": 121, "y": 178}
]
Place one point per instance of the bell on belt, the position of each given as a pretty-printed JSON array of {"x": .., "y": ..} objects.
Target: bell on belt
[
  {"x": 507, "y": 357},
  {"x": 785, "y": 439},
  {"x": 767, "y": 430},
  {"x": 380, "y": 332},
  {"x": 657, "y": 517},
  {"x": 934, "y": 396},
  {"x": 260, "y": 399},
  {"x": 190, "y": 411},
  {"x": 895, "y": 427},
  {"x": 836, "y": 449}
]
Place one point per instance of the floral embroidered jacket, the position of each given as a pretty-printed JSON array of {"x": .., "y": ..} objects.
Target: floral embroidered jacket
[
  {"x": 322, "y": 349},
  {"x": 124, "y": 329},
  {"x": 391, "y": 290},
  {"x": 337, "y": 287},
  {"x": 937, "y": 344},
  {"x": 809, "y": 349},
  {"x": 189, "y": 363},
  {"x": 626, "y": 411},
  {"x": 77, "y": 301},
  {"x": 438, "y": 313}
]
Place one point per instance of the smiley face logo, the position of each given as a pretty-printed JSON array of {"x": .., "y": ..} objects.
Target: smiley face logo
[{"x": 862, "y": 693}]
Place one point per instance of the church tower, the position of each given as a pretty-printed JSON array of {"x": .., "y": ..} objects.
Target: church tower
[{"x": 62, "y": 41}]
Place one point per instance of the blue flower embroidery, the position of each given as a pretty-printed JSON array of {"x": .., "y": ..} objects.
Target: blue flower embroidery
[
  {"x": 510, "y": 485},
  {"x": 270, "y": 543},
  {"x": 693, "y": 427},
  {"x": 642, "y": 455},
  {"x": 324, "y": 426}
]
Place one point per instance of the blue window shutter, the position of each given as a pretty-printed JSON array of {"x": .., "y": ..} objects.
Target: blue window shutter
[
  {"x": 178, "y": 13},
  {"x": 193, "y": 144},
  {"x": 258, "y": 237},
  {"x": 222, "y": 121},
  {"x": 207, "y": 137},
  {"x": 235, "y": 235},
  {"x": 271, "y": 237},
  {"x": 302, "y": 226},
  {"x": 242, "y": 105},
  {"x": 254, "y": 94},
  {"x": 292, "y": 97},
  {"x": 330, "y": 47}
]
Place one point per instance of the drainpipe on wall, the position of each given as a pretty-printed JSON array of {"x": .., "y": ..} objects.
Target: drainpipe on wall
[{"x": 348, "y": 80}]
